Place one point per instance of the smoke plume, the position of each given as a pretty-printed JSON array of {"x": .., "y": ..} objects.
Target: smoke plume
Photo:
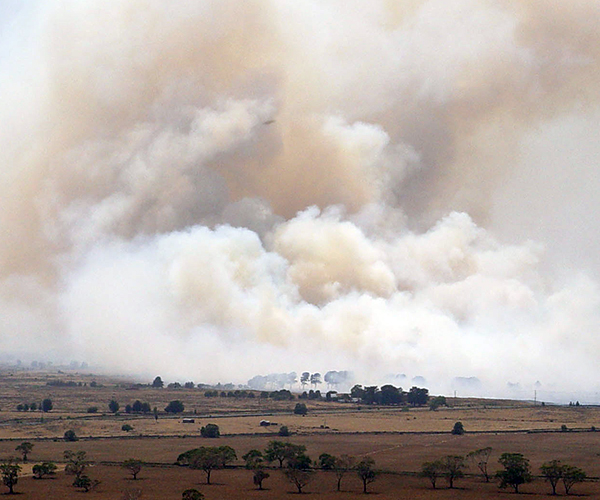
[{"x": 212, "y": 190}]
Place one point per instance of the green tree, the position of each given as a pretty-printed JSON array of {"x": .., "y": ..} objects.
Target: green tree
[
  {"x": 480, "y": 459},
  {"x": 453, "y": 467},
  {"x": 516, "y": 471},
  {"x": 259, "y": 476},
  {"x": 572, "y": 475},
  {"x": 458, "y": 429},
  {"x": 133, "y": 465},
  {"x": 158, "y": 383},
  {"x": 341, "y": 466},
  {"x": 47, "y": 405},
  {"x": 436, "y": 402},
  {"x": 282, "y": 451},
  {"x": 208, "y": 458},
  {"x": 326, "y": 461},
  {"x": 553, "y": 473},
  {"x": 432, "y": 471},
  {"x": 10, "y": 469},
  {"x": 366, "y": 472},
  {"x": 76, "y": 462},
  {"x": 113, "y": 406},
  {"x": 300, "y": 409},
  {"x": 44, "y": 469},
  {"x": 70, "y": 436},
  {"x": 85, "y": 483},
  {"x": 175, "y": 406},
  {"x": 25, "y": 448},
  {"x": 210, "y": 431},
  {"x": 284, "y": 431},
  {"x": 417, "y": 396},
  {"x": 254, "y": 458},
  {"x": 126, "y": 428},
  {"x": 298, "y": 470}
]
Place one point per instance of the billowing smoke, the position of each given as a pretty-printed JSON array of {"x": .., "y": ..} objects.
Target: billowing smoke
[{"x": 215, "y": 189}]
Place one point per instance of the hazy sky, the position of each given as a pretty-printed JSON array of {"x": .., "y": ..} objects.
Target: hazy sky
[{"x": 216, "y": 189}]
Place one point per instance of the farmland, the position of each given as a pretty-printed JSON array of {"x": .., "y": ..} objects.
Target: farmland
[{"x": 399, "y": 439}]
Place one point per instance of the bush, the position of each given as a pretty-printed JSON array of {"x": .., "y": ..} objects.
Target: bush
[
  {"x": 126, "y": 427},
  {"x": 210, "y": 431},
  {"x": 300, "y": 409},
  {"x": 458, "y": 429},
  {"x": 175, "y": 407},
  {"x": 70, "y": 435},
  {"x": 284, "y": 431},
  {"x": 92, "y": 409},
  {"x": 46, "y": 405}
]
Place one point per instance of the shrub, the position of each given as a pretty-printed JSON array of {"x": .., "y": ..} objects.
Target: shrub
[
  {"x": 70, "y": 435},
  {"x": 92, "y": 409},
  {"x": 300, "y": 409},
  {"x": 126, "y": 427},
  {"x": 284, "y": 431},
  {"x": 210, "y": 431},
  {"x": 458, "y": 429}
]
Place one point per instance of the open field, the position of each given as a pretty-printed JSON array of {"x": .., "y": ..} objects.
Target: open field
[{"x": 398, "y": 440}]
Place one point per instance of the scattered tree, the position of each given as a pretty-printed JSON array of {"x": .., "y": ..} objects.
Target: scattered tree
[
  {"x": 284, "y": 431},
  {"x": 259, "y": 476},
  {"x": 76, "y": 462},
  {"x": 44, "y": 469},
  {"x": 134, "y": 466},
  {"x": 282, "y": 451},
  {"x": 315, "y": 379},
  {"x": 126, "y": 428},
  {"x": 85, "y": 483},
  {"x": 298, "y": 469},
  {"x": 10, "y": 469},
  {"x": 300, "y": 409},
  {"x": 158, "y": 383},
  {"x": 436, "y": 402},
  {"x": 516, "y": 471},
  {"x": 432, "y": 471},
  {"x": 481, "y": 458},
  {"x": 341, "y": 466},
  {"x": 366, "y": 472},
  {"x": 46, "y": 405},
  {"x": 458, "y": 429},
  {"x": 304, "y": 378},
  {"x": 25, "y": 448},
  {"x": 326, "y": 461},
  {"x": 113, "y": 406},
  {"x": 453, "y": 466},
  {"x": 553, "y": 473},
  {"x": 70, "y": 436},
  {"x": 210, "y": 431},
  {"x": 570, "y": 476},
  {"x": 207, "y": 458},
  {"x": 175, "y": 407}
]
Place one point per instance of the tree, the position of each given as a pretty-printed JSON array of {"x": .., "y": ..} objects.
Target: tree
[
  {"x": 458, "y": 429},
  {"x": 284, "y": 431},
  {"x": 315, "y": 379},
  {"x": 133, "y": 465},
  {"x": 46, "y": 405},
  {"x": 207, "y": 458},
  {"x": 158, "y": 383},
  {"x": 254, "y": 458},
  {"x": 326, "y": 461},
  {"x": 570, "y": 476},
  {"x": 304, "y": 378},
  {"x": 390, "y": 395},
  {"x": 298, "y": 469},
  {"x": 175, "y": 407},
  {"x": 436, "y": 402},
  {"x": 136, "y": 407},
  {"x": 25, "y": 448},
  {"x": 552, "y": 472},
  {"x": 70, "y": 436},
  {"x": 10, "y": 469},
  {"x": 516, "y": 471},
  {"x": 259, "y": 476},
  {"x": 481, "y": 458},
  {"x": 76, "y": 462},
  {"x": 210, "y": 431},
  {"x": 44, "y": 469},
  {"x": 191, "y": 494},
  {"x": 300, "y": 409},
  {"x": 113, "y": 406},
  {"x": 453, "y": 466},
  {"x": 126, "y": 428},
  {"x": 417, "y": 396},
  {"x": 282, "y": 451},
  {"x": 432, "y": 471},
  {"x": 341, "y": 466},
  {"x": 366, "y": 472},
  {"x": 85, "y": 483}
]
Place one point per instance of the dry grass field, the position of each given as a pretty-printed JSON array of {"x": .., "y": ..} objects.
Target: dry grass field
[{"x": 398, "y": 440}]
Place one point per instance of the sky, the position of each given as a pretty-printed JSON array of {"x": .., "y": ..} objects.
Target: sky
[{"x": 212, "y": 190}]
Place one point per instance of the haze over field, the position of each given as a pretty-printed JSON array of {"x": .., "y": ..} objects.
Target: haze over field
[{"x": 209, "y": 190}]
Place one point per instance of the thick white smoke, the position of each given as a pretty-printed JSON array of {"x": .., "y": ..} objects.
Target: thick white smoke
[{"x": 212, "y": 190}]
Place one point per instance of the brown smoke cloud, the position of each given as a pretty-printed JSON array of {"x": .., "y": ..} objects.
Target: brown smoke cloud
[{"x": 295, "y": 183}]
